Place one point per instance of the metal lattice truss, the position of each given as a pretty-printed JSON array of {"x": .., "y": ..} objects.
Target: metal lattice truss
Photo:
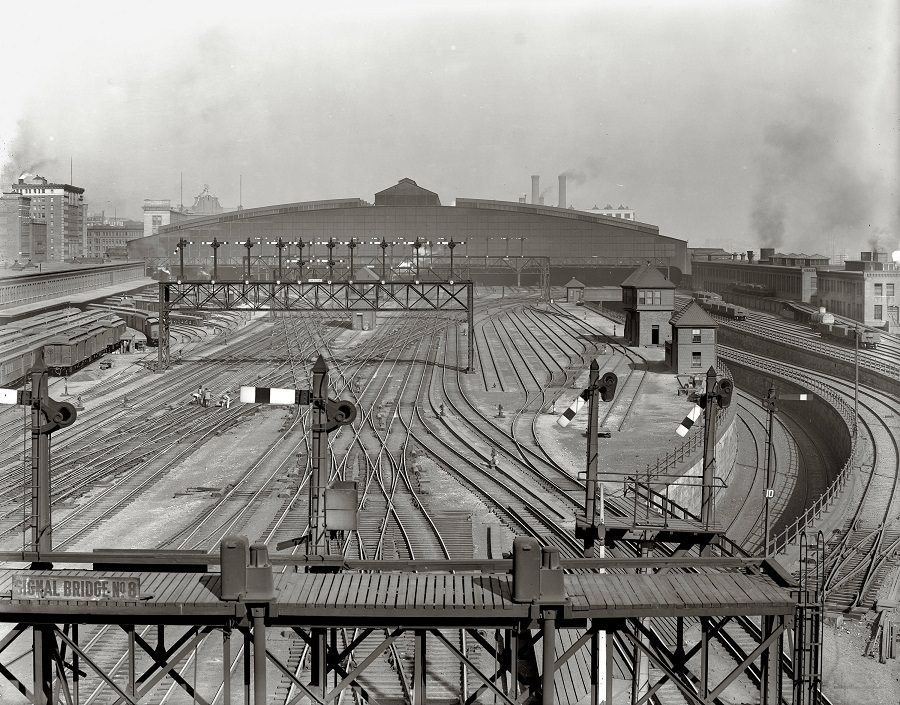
[
  {"x": 314, "y": 296},
  {"x": 156, "y": 656},
  {"x": 438, "y": 297}
]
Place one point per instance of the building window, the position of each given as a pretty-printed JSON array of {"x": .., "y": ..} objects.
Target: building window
[
  {"x": 878, "y": 310},
  {"x": 695, "y": 360},
  {"x": 889, "y": 289},
  {"x": 650, "y": 297},
  {"x": 157, "y": 220},
  {"x": 878, "y": 290},
  {"x": 695, "y": 335}
]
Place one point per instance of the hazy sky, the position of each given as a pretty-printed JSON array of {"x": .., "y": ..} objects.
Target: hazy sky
[{"x": 737, "y": 123}]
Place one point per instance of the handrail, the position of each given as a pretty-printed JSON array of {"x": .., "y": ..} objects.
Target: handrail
[{"x": 791, "y": 533}]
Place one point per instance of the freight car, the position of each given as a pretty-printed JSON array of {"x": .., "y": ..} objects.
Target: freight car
[
  {"x": 752, "y": 289},
  {"x": 65, "y": 351},
  {"x": 737, "y": 313},
  {"x": 15, "y": 361},
  {"x": 66, "y": 354},
  {"x": 139, "y": 320},
  {"x": 847, "y": 334},
  {"x": 704, "y": 296}
]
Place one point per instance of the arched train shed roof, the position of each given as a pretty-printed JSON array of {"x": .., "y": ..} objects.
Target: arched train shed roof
[{"x": 482, "y": 227}]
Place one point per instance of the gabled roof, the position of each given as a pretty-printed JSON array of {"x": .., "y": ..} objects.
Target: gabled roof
[
  {"x": 406, "y": 193},
  {"x": 648, "y": 276},
  {"x": 692, "y": 316},
  {"x": 574, "y": 284}
]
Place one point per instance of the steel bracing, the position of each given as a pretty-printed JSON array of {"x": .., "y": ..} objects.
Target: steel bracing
[
  {"x": 334, "y": 296},
  {"x": 522, "y": 643}
]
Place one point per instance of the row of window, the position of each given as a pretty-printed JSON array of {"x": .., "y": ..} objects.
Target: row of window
[
  {"x": 650, "y": 297},
  {"x": 887, "y": 288}
]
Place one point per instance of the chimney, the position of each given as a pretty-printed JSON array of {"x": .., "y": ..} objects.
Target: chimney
[
  {"x": 750, "y": 256},
  {"x": 562, "y": 190},
  {"x": 522, "y": 198},
  {"x": 535, "y": 188}
]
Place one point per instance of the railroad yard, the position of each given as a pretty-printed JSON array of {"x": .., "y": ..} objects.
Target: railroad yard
[{"x": 451, "y": 465}]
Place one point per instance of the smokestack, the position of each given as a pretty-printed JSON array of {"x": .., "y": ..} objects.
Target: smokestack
[
  {"x": 562, "y": 190},
  {"x": 535, "y": 188}
]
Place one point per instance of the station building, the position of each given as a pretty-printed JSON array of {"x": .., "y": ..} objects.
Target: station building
[
  {"x": 597, "y": 249},
  {"x": 864, "y": 290}
]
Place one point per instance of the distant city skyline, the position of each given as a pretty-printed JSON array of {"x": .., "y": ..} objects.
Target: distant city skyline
[{"x": 754, "y": 122}]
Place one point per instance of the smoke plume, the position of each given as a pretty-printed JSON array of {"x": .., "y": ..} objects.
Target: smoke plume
[
  {"x": 807, "y": 188},
  {"x": 25, "y": 156},
  {"x": 767, "y": 217},
  {"x": 590, "y": 169}
]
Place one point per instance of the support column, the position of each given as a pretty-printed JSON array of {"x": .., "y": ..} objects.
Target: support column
[
  {"x": 548, "y": 668},
  {"x": 75, "y": 682},
  {"x": 318, "y": 667},
  {"x": 419, "y": 666},
  {"x": 610, "y": 663},
  {"x": 703, "y": 686},
  {"x": 709, "y": 453},
  {"x": 246, "y": 668},
  {"x": 321, "y": 460},
  {"x": 226, "y": 666},
  {"x": 470, "y": 316},
  {"x": 512, "y": 640},
  {"x": 596, "y": 683},
  {"x": 590, "y": 503},
  {"x": 259, "y": 655},
  {"x": 129, "y": 630},
  {"x": 42, "y": 663}
]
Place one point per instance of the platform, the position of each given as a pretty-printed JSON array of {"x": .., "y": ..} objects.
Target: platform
[
  {"x": 390, "y": 598},
  {"x": 14, "y": 313}
]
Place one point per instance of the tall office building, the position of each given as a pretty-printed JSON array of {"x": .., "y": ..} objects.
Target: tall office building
[{"x": 62, "y": 208}]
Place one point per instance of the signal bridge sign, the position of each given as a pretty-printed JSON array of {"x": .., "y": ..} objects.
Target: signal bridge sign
[{"x": 43, "y": 586}]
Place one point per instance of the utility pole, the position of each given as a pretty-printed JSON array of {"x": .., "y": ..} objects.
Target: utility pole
[
  {"x": 47, "y": 415},
  {"x": 300, "y": 262},
  {"x": 215, "y": 245},
  {"x": 452, "y": 244},
  {"x": 248, "y": 245},
  {"x": 181, "y": 244},
  {"x": 327, "y": 416},
  {"x": 383, "y": 247},
  {"x": 586, "y": 527},
  {"x": 352, "y": 246},
  {"x": 416, "y": 245},
  {"x": 856, "y": 385},
  {"x": 280, "y": 244},
  {"x": 330, "y": 245},
  {"x": 717, "y": 394},
  {"x": 321, "y": 460}
]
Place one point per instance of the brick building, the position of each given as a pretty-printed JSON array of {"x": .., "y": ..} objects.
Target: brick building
[
  {"x": 111, "y": 241},
  {"x": 62, "y": 208},
  {"x": 648, "y": 299},
  {"x": 22, "y": 238},
  {"x": 692, "y": 348}
]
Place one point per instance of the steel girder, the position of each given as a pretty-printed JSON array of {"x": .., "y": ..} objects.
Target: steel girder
[{"x": 441, "y": 296}]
